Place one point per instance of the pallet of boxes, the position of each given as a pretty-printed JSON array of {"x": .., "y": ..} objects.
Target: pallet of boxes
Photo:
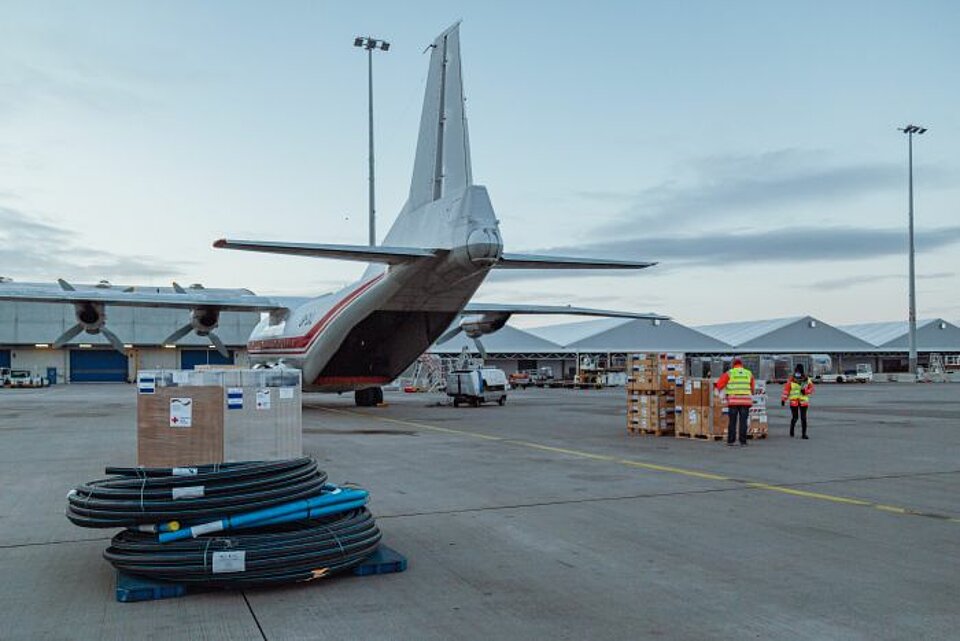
[
  {"x": 702, "y": 413},
  {"x": 653, "y": 383},
  {"x": 196, "y": 417}
]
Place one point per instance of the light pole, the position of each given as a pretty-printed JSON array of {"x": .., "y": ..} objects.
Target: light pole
[
  {"x": 370, "y": 44},
  {"x": 910, "y": 130}
]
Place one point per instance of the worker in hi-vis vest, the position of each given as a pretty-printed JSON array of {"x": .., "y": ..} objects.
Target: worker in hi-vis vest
[
  {"x": 798, "y": 390},
  {"x": 738, "y": 384}
]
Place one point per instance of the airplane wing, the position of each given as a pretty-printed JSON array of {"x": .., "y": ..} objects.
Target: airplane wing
[
  {"x": 238, "y": 300},
  {"x": 479, "y": 319},
  {"x": 362, "y": 253},
  {"x": 90, "y": 302},
  {"x": 494, "y": 308},
  {"x": 535, "y": 261}
]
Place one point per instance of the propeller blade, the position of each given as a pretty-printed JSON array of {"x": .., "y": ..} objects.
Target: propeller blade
[
  {"x": 67, "y": 336},
  {"x": 177, "y": 335},
  {"x": 450, "y": 334},
  {"x": 216, "y": 342},
  {"x": 113, "y": 338},
  {"x": 480, "y": 348}
]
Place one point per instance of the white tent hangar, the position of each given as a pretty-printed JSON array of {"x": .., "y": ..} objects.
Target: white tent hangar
[
  {"x": 795, "y": 335},
  {"x": 622, "y": 335},
  {"x": 933, "y": 335},
  {"x": 508, "y": 340}
]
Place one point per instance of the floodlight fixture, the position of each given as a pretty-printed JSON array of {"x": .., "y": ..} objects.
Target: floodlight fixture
[{"x": 371, "y": 43}]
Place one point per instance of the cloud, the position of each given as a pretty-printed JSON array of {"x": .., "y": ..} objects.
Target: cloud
[
  {"x": 773, "y": 182},
  {"x": 790, "y": 245},
  {"x": 865, "y": 279},
  {"x": 30, "y": 247},
  {"x": 28, "y": 87}
]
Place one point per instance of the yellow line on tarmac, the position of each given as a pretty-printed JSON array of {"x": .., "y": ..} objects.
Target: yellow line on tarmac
[
  {"x": 892, "y": 509},
  {"x": 560, "y": 450},
  {"x": 673, "y": 470},
  {"x": 806, "y": 494}
]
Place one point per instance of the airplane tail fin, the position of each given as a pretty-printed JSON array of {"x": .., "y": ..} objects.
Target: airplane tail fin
[{"x": 442, "y": 163}]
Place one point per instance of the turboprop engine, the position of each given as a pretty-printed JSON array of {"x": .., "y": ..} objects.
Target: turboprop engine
[{"x": 477, "y": 326}]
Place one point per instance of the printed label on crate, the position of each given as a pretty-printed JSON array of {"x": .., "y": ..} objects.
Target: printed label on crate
[
  {"x": 263, "y": 399},
  {"x": 189, "y": 492},
  {"x": 286, "y": 393},
  {"x": 146, "y": 384},
  {"x": 231, "y": 561},
  {"x": 234, "y": 398},
  {"x": 181, "y": 412}
]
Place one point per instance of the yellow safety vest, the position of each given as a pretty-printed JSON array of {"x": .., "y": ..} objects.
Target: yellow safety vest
[
  {"x": 796, "y": 392},
  {"x": 739, "y": 382}
]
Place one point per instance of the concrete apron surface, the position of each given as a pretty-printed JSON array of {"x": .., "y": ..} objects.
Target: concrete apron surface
[{"x": 539, "y": 519}]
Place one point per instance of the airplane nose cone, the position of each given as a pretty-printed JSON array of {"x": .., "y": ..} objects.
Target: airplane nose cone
[{"x": 484, "y": 246}]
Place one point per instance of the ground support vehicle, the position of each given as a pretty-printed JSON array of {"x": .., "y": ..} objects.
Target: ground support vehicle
[{"x": 477, "y": 386}]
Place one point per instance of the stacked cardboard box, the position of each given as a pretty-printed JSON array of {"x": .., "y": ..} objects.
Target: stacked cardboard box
[
  {"x": 710, "y": 417},
  {"x": 661, "y": 400},
  {"x": 652, "y": 392},
  {"x": 195, "y": 417},
  {"x": 720, "y": 417},
  {"x": 695, "y": 408}
]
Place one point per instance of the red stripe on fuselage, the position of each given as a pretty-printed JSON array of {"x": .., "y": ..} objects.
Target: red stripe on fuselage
[{"x": 302, "y": 343}]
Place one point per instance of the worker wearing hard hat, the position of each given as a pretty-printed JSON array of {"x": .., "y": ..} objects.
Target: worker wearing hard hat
[
  {"x": 738, "y": 384},
  {"x": 797, "y": 390}
]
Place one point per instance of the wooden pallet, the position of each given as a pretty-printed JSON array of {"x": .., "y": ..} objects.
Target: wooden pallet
[{"x": 643, "y": 432}]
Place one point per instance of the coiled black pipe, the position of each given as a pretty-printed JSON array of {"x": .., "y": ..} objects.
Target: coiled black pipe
[
  {"x": 286, "y": 553},
  {"x": 135, "y": 496}
]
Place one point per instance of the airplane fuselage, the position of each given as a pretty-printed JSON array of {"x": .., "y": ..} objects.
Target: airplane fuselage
[{"x": 369, "y": 332}]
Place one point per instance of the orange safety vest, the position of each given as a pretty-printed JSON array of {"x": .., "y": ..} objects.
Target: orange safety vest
[{"x": 797, "y": 394}]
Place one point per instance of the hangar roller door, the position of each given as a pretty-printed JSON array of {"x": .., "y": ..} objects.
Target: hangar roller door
[
  {"x": 190, "y": 358},
  {"x": 97, "y": 366},
  {"x": 4, "y": 358}
]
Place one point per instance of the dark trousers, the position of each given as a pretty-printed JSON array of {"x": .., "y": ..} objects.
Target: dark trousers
[
  {"x": 801, "y": 412},
  {"x": 739, "y": 413}
]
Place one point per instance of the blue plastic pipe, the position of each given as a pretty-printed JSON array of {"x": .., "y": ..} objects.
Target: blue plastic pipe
[
  {"x": 315, "y": 513},
  {"x": 336, "y": 501}
]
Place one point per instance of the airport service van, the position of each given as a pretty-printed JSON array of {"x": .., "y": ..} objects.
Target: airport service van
[{"x": 476, "y": 386}]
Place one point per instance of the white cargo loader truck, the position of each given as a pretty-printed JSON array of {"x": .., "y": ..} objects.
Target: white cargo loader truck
[{"x": 476, "y": 386}]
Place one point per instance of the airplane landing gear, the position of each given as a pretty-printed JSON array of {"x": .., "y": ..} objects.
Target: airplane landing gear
[{"x": 369, "y": 397}]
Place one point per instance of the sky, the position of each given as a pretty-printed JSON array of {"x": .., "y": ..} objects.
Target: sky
[{"x": 751, "y": 148}]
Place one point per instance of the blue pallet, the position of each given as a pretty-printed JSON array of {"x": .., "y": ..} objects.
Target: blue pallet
[
  {"x": 132, "y": 588},
  {"x": 385, "y": 560}
]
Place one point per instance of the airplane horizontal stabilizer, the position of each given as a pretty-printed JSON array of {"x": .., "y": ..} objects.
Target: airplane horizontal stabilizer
[
  {"x": 499, "y": 308},
  {"x": 362, "y": 253},
  {"x": 535, "y": 261}
]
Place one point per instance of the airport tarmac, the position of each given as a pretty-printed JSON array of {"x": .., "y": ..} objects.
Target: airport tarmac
[{"x": 541, "y": 519}]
